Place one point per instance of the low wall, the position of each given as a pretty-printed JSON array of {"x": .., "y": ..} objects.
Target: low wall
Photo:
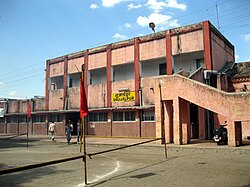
[
  {"x": 40, "y": 128},
  {"x": 2, "y": 128},
  {"x": 148, "y": 129},
  {"x": 99, "y": 128},
  {"x": 12, "y": 128},
  {"x": 126, "y": 129}
]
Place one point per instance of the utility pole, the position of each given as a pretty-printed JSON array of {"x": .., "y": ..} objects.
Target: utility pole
[{"x": 216, "y": 6}]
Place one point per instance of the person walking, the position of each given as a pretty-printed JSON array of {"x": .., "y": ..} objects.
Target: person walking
[
  {"x": 52, "y": 130},
  {"x": 68, "y": 132},
  {"x": 71, "y": 125}
]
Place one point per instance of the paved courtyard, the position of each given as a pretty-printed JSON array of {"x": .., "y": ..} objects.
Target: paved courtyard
[{"x": 145, "y": 165}]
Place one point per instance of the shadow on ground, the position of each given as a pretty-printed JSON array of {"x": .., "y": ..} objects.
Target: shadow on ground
[
  {"x": 15, "y": 142},
  {"x": 124, "y": 175},
  {"x": 18, "y": 179}
]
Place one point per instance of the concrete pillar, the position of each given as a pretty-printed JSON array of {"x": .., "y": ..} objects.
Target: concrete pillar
[
  {"x": 158, "y": 111},
  {"x": 137, "y": 70},
  {"x": 65, "y": 83},
  {"x": 169, "y": 52},
  {"x": 202, "y": 128},
  {"x": 177, "y": 121},
  {"x": 109, "y": 81},
  {"x": 234, "y": 133},
  {"x": 168, "y": 121},
  {"x": 207, "y": 45},
  {"x": 185, "y": 121},
  {"x": 218, "y": 80},
  {"x": 238, "y": 129},
  {"x": 47, "y": 85}
]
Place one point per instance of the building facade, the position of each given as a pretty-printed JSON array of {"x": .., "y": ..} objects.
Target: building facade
[{"x": 171, "y": 82}]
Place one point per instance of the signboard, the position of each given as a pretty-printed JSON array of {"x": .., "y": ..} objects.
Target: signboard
[
  {"x": 123, "y": 97},
  {"x": 1, "y": 112}
]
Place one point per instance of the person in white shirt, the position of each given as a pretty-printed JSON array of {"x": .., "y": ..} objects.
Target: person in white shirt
[{"x": 52, "y": 130}]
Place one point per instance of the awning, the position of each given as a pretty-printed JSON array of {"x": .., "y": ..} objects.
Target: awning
[{"x": 77, "y": 111}]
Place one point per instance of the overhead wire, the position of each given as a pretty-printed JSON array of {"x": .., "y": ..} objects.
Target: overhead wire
[
  {"x": 23, "y": 78},
  {"x": 17, "y": 76},
  {"x": 18, "y": 70},
  {"x": 225, "y": 23},
  {"x": 10, "y": 87}
]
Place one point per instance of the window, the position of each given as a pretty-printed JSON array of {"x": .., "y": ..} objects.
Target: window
[
  {"x": 98, "y": 116},
  {"x": 118, "y": 116},
  {"x": 93, "y": 117},
  {"x": 55, "y": 118},
  {"x": 148, "y": 115},
  {"x": 59, "y": 118},
  {"x": 129, "y": 116},
  {"x": 103, "y": 116},
  {"x": 70, "y": 82},
  {"x": 12, "y": 119},
  {"x": 23, "y": 119},
  {"x": 199, "y": 63},
  {"x": 39, "y": 118},
  {"x": 124, "y": 116},
  {"x": 97, "y": 76},
  {"x": 2, "y": 120},
  {"x": 56, "y": 83},
  {"x": 123, "y": 72},
  {"x": 163, "y": 69},
  {"x": 52, "y": 117},
  {"x": 74, "y": 80}
]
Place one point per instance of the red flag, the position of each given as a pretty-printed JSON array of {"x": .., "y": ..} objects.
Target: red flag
[
  {"x": 83, "y": 100},
  {"x": 28, "y": 110}
]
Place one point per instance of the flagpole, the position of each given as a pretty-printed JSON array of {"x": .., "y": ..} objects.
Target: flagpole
[
  {"x": 81, "y": 138},
  {"x": 83, "y": 141},
  {"x": 83, "y": 113}
]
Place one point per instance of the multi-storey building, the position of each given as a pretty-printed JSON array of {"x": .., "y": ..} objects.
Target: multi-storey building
[{"x": 175, "y": 81}]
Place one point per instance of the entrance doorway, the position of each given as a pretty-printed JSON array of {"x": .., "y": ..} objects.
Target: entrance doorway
[
  {"x": 209, "y": 124},
  {"x": 194, "y": 121},
  {"x": 73, "y": 117}
]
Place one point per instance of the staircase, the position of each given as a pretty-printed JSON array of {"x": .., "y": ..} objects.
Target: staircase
[{"x": 234, "y": 106}]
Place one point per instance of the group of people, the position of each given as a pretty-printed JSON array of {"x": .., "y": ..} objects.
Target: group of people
[{"x": 69, "y": 127}]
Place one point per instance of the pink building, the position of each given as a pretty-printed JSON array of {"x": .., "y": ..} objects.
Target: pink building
[{"x": 175, "y": 81}]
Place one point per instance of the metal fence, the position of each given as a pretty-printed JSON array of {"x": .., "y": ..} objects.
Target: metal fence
[{"x": 83, "y": 156}]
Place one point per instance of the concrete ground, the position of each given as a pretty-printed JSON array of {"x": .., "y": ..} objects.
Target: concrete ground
[{"x": 197, "y": 164}]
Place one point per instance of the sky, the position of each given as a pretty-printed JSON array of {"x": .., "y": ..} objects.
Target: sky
[{"x": 33, "y": 31}]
